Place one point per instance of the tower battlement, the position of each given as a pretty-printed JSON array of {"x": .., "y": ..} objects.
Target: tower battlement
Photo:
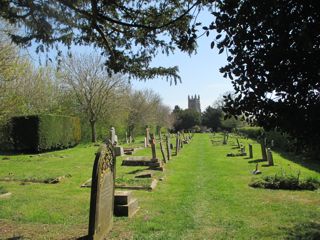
[{"x": 194, "y": 103}]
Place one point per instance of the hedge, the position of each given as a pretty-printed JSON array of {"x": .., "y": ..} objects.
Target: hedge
[{"x": 39, "y": 133}]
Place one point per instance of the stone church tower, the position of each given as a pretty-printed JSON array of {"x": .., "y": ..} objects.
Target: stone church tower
[{"x": 194, "y": 103}]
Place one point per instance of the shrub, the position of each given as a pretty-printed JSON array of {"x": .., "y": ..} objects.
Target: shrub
[
  {"x": 251, "y": 132},
  {"x": 40, "y": 133},
  {"x": 289, "y": 182}
]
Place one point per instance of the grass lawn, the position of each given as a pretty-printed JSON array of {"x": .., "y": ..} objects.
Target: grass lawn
[{"x": 204, "y": 195}]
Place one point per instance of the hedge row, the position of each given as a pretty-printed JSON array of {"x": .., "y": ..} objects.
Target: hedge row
[{"x": 39, "y": 133}]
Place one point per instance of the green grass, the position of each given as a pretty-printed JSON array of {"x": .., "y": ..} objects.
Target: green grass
[
  {"x": 2, "y": 190},
  {"x": 204, "y": 195}
]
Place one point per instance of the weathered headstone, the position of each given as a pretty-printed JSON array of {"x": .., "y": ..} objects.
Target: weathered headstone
[
  {"x": 168, "y": 146},
  {"x": 145, "y": 142},
  {"x": 270, "y": 157},
  {"x": 177, "y": 143},
  {"x": 102, "y": 193},
  {"x": 127, "y": 140},
  {"x": 263, "y": 150},
  {"x": 112, "y": 135},
  {"x": 130, "y": 139},
  {"x": 164, "y": 158},
  {"x": 238, "y": 142},
  {"x": 250, "y": 151},
  {"x": 153, "y": 146},
  {"x": 272, "y": 143},
  {"x": 147, "y": 135}
]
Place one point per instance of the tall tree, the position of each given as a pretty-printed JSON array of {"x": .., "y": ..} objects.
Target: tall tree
[
  {"x": 85, "y": 76},
  {"x": 130, "y": 33},
  {"x": 212, "y": 118},
  {"x": 273, "y": 50}
]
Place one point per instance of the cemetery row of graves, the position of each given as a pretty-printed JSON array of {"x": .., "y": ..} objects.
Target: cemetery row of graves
[{"x": 178, "y": 186}]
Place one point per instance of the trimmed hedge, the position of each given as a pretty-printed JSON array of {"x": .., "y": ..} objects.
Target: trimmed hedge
[{"x": 41, "y": 133}]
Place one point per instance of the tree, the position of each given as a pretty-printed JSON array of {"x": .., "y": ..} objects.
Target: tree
[
  {"x": 130, "y": 33},
  {"x": 85, "y": 77},
  {"x": 273, "y": 50},
  {"x": 186, "y": 119},
  {"x": 212, "y": 118}
]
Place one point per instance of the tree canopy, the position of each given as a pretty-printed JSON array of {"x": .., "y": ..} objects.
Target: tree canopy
[
  {"x": 130, "y": 33},
  {"x": 273, "y": 50}
]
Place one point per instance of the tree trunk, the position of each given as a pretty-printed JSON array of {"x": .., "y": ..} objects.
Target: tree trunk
[{"x": 93, "y": 131}]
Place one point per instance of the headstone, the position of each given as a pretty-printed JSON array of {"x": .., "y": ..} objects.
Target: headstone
[
  {"x": 250, "y": 151},
  {"x": 177, "y": 144},
  {"x": 145, "y": 142},
  {"x": 168, "y": 146},
  {"x": 102, "y": 193},
  {"x": 164, "y": 158},
  {"x": 263, "y": 150},
  {"x": 270, "y": 157},
  {"x": 238, "y": 142},
  {"x": 115, "y": 140},
  {"x": 224, "y": 138},
  {"x": 130, "y": 139},
  {"x": 127, "y": 140},
  {"x": 147, "y": 135},
  {"x": 153, "y": 146},
  {"x": 272, "y": 143},
  {"x": 112, "y": 135},
  {"x": 118, "y": 151}
]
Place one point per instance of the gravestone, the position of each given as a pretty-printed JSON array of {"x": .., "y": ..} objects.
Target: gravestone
[
  {"x": 112, "y": 135},
  {"x": 130, "y": 139},
  {"x": 145, "y": 142},
  {"x": 238, "y": 142},
  {"x": 270, "y": 157},
  {"x": 177, "y": 143},
  {"x": 272, "y": 143},
  {"x": 250, "y": 151},
  {"x": 102, "y": 193},
  {"x": 147, "y": 136},
  {"x": 168, "y": 146},
  {"x": 164, "y": 158},
  {"x": 127, "y": 140},
  {"x": 263, "y": 149},
  {"x": 153, "y": 146}
]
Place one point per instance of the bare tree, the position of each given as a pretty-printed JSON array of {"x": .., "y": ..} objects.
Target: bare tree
[{"x": 86, "y": 76}]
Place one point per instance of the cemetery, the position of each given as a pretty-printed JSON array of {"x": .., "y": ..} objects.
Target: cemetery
[
  {"x": 96, "y": 143},
  {"x": 158, "y": 203}
]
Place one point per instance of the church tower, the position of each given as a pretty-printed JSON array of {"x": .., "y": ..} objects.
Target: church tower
[{"x": 194, "y": 103}]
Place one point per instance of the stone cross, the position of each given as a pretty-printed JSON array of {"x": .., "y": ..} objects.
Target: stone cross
[
  {"x": 250, "y": 151},
  {"x": 102, "y": 193},
  {"x": 112, "y": 135},
  {"x": 153, "y": 146}
]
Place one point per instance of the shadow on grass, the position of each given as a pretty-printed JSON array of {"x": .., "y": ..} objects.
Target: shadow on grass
[
  {"x": 301, "y": 160},
  {"x": 255, "y": 161},
  {"x": 16, "y": 238},
  {"x": 306, "y": 231},
  {"x": 137, "y": 171}
]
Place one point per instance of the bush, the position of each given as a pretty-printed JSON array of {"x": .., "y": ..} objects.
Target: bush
[
  {"x": 289, "y": 182},
  {"x": 40, "y": 133},
  {"x": 251, "y": 132}
]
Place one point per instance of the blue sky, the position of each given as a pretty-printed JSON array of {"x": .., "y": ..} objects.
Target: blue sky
[{"x": 199, "y": 74}]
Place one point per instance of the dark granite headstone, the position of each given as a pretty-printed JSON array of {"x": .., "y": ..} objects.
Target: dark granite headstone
[{"x": 102, "y": 193}]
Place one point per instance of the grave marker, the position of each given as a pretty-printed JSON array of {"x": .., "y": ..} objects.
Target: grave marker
[
  {"x": 112, "y": 135},
  {"x": 153, "y": 146},
  {"x": 263, "y": 149},
  {"x": 168, "y": 146},
  {"x": 250, "y": 151},
  {"x": 102, "y": 193},
  {"x": 270, "y": 157},
  {"x": 147, "y": 136}
]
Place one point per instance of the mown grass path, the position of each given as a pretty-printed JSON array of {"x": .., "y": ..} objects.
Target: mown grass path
[{"x": 206, "y": 196}]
